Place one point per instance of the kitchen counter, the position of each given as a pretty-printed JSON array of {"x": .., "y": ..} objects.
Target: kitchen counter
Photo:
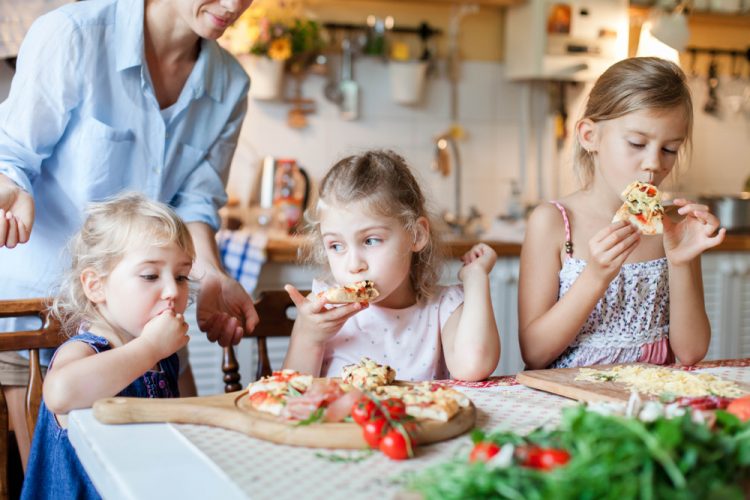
[{"x": 283, "y": 249}]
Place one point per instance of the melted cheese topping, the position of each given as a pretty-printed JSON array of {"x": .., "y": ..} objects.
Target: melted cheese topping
[
  {"x": 658, "y": 381},
  {"x": 639, "y": 201},
  {"x": 367, "y": 374}
]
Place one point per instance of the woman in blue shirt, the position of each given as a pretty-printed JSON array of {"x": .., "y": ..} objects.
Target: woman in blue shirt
[{"x": 114, "y": 95}]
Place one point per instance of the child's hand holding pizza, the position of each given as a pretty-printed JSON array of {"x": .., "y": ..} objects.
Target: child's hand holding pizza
[
  {"x": 610, "y": 247},
  {"x": 695, "y": 233},
  {"x": 166, "y": 333},
  {"x": 319, "y": 322}
]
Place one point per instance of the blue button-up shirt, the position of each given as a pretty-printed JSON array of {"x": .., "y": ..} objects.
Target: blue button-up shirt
[{"x": 82, "y": 123}]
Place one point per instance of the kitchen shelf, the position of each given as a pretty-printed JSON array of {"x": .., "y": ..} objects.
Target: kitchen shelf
[
  {"x": 702, "y": 18},
  {"x": 488, "y": 3}
]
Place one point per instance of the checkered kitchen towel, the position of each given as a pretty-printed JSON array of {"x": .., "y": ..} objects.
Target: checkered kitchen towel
[{"x": 243, "y": 254}]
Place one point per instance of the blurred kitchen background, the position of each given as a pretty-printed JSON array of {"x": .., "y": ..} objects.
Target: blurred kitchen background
[{"x": 480, "y": 97}]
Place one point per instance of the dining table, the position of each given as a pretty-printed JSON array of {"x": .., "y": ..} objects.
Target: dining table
[{"x": 171, "y": 460}]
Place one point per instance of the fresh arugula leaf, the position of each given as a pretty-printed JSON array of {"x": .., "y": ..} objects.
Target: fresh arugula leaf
[{"x": 314, "y": 417}]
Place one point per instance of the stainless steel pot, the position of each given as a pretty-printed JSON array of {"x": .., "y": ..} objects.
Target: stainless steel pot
[{"x": 732, "y": 210}]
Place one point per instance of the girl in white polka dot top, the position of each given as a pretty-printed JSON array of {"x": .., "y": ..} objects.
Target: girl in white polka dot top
[{"x": 370, "y": 223}]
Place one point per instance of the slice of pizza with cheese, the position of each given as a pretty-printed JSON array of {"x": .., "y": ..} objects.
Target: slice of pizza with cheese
[
  {"x": 642, "y": 208},
  {"x": 269, "y": 394},
  {"x": 361, "y": 291},
  {"x": 427, "y": 400},
  {"x": 367, "y": 374}
]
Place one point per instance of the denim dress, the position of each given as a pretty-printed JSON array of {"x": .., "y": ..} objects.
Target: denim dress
[{"x": 54, "y": 470}]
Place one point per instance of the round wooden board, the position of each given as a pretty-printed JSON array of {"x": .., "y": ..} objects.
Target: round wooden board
[{"x": 232, "y": 411}]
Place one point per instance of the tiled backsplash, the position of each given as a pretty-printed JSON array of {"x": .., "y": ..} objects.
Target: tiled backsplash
[{"x": 490, "y": 111}]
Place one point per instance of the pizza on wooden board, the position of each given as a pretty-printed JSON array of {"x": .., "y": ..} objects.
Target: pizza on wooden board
[
  {"x": 293, "y": 396},
  {"x": 361, "y": 291},
  {"x": 642, "y": 208}
]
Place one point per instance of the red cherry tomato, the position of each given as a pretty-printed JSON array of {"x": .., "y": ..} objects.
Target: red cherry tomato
[
  {"x": 741, "y": 408},
  {"x": 395, "y": 446},
  {"x": 374, "y": 430},
  {"x": 545, "y": 458},
  {"x": 364, "y": 410},
  {"x": 395, "y": 407},
  {"x": 483, "y": 451}
]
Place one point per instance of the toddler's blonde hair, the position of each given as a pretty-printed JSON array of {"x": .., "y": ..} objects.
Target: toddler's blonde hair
[
  {"x": 634, "y": 84},
  {"x": 382, "y": 181},
  {"x": 110, "y": 229}
]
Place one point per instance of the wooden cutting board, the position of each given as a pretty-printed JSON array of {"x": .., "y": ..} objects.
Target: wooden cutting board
[
  {"x": 230, "y": 411},
  {"x": 561, "y": 381}
]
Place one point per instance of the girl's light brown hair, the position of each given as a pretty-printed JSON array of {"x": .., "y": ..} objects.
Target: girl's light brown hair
[
  {"x": 634, "y": 84},
  {"x": 110, "y": 229},
  {"x": 383, "y": 183}
]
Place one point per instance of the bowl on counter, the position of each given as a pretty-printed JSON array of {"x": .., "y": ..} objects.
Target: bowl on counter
[{"x": 733, "y": 210}]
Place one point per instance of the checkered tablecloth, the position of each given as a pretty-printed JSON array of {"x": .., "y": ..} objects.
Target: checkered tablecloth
[
  {"x": 265, "y": 470},
  {"x": 243, "y": 254}
]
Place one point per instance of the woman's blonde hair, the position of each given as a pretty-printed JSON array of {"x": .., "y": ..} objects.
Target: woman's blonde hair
[
  {"x": 384, "y": 184},
  {"x": 110, "y": 229},
  {"x": 634, "y": 84}
]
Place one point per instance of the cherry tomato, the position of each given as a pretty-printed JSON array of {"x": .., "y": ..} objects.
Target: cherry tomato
[
  {"x": 741, "y": 408},
  {"x": 364, "y": 410},
  {"x": 545, "y": 458},
  {"x": 483, "y": 451},
  {"x": 395, "y": 408},
  {"x": 374, "y": 430},
  {"x": 395, "y": 446}
]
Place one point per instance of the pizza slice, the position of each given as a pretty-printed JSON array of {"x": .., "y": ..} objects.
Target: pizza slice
[
  {"x": 361, "y": 291},
  {"x": 642, "y": 208},
  {"x": 269, "y": 394},
  {"x": 367, "y": 374},
  {"x": 427, "y": 400}
]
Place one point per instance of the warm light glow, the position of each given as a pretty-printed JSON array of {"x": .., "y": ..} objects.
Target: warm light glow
[{"x": 648, "y": 45}]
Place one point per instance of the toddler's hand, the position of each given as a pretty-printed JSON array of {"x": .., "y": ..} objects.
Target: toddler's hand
[
  {"x": 695, "y": 233},
  {"x": 166, "y": 333},
  {"x": 316, "y": 321},
  {"x": 480, "y": 258},
  {"x": 610, "y": 247}
]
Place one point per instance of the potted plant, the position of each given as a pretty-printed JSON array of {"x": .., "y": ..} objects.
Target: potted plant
[{"x": 267, "y": 41}]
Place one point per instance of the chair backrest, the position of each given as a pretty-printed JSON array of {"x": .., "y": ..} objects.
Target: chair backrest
[
  {"x": 47, "y": 336},
  {"x": 277, "y": 313}
]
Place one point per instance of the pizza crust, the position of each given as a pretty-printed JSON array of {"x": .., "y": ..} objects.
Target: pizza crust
[{"x": 361, "y": 291}]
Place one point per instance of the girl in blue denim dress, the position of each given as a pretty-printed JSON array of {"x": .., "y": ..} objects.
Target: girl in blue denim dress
[
  {"x": 123, "y": 300},
  {"x": 593, "y": 291}
]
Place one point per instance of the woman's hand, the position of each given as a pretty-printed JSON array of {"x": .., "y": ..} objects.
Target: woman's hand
[
  {"x": 166, "y": 333},
  {"x": 695, "y": 233},
  {"x": 480, "y": 258},
  {"x": 315, "y": 320},
  {"x": 225, "y": 310},
  {"x": 609, "y": 248},
  {"x": 16, "y": 213}
]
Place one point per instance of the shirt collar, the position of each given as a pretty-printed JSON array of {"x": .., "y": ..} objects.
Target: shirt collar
[
  {"x": 129, "y": 33},
  {"x": 212, "y": 77}
]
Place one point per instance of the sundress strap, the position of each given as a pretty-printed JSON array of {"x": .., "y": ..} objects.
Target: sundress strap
[{"x": 568, "y": 241}]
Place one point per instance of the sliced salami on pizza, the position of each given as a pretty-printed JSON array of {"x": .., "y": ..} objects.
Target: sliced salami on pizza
[
  {"x": 361, "y": 291},
  {"x": 642, "y": 208}
]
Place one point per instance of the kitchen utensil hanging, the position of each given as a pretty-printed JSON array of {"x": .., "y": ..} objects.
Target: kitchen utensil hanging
[{"x": 712, "y": 101}]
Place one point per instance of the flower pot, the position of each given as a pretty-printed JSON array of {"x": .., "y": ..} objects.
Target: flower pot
[
  {"x": 266, "y": 75},
  {"x": 407, "y": 81}
]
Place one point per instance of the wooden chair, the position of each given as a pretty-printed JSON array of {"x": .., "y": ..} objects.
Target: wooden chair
[
  {"x": 47, "y": 336},
  {"x": 276, "y": 312}
]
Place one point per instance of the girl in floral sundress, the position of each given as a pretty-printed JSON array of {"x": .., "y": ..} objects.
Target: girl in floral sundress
[{"x": 592, "y": 291}]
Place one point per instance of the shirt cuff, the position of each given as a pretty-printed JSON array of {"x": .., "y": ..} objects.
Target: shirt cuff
[{"x": 17, "y": 176}]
